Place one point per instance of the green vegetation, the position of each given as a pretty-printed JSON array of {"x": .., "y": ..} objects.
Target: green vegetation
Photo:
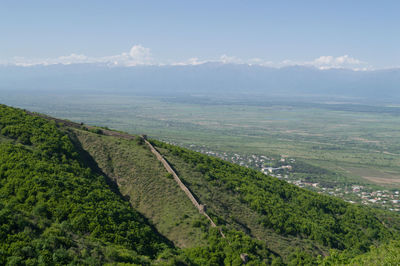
[
  {"x": 288, "y": 209},
  {"x": 75, "y": 196},
  {"x": 385, "y": 255},
  {"x": 143, "y": 180},
  {"x": 55, "y": 209},
  {"x": 223, "y": 251},
  {"x": 356, "y": 143}
]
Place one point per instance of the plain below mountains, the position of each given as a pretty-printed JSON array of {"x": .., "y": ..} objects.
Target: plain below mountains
[{"x": 77, "y": 194}]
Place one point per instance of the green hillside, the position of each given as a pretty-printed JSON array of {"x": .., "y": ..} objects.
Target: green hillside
[
  {"x": 386, "y": 255},
  {"x": 56, "y": 209},
  {"x": 260, "y": 204},
  {"x": 142, "y": 178},
  {"x": 145, "y": 182},
  {"x": 73, "y": 194}
]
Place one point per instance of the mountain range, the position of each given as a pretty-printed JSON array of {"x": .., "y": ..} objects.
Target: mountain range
[{"x": 229, "y": 80}]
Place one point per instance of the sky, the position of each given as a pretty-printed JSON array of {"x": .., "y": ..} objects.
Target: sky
[{"x": 338, "y": 33}]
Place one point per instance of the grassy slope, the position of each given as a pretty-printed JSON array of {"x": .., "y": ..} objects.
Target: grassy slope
[
  {"x": 224, "y": 202},
  {"x": 234, "y": 213},
  {"x": 57, "y": 207},
  {"x": 54, "y": 210},
  {"x": 143, "y": 179}
]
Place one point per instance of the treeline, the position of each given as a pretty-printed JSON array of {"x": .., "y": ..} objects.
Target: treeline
[{"x": 290, "y": 210}]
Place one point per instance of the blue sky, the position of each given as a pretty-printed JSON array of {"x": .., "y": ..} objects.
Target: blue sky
[{"x": 362, "y": 34}]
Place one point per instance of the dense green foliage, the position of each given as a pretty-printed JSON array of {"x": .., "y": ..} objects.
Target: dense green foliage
[
  {"x": 224, "y": 251},
  {"x": 386, "y": 255},
  {"x": 290, "y": 210},
  {"x": 53, "y": 209}
]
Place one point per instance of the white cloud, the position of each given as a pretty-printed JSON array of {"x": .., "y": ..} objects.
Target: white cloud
[
  {"x": 139, "y": 55},
  {"x": 322, "y": 62},
  {"x": 191, "y": 61},
  {"x": 65, "y": 60},
  {"x": 336, "y": 62},
  {"x": 138, "y": 51},
  {"x": 260, "y": 62},
  {"x": 225, "y": 59},
  {"x": 328, "y": 62}
]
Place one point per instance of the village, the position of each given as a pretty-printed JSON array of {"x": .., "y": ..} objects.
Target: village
[{"x": 282, "y": 168}]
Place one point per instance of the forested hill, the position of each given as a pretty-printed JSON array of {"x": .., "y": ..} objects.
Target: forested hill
[
  {"x": 74, "y": 195},
  {"x": 55, "y": 208}
]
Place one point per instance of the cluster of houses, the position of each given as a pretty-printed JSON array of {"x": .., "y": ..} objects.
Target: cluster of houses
[
  {"x": 386, "y": 198},
  {"x": 389, "y": 200},
  {"x": 252, "y": 161},
  {"x": 354, "y": 194},
  {"x": 270, "y": 170}
]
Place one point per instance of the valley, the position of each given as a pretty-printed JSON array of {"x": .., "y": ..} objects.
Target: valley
[
  {"x": 199, "y": 133},
  {"x": 354, "y": 144},
  {"x": 99, "y": 196},
  {"x": 294, "y": 173}
]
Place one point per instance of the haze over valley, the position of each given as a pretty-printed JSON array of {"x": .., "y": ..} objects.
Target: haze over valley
[{"x": 199, "y": 133}]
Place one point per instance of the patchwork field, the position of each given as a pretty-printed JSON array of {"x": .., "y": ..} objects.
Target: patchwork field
[{"x": 357, "y": 142}]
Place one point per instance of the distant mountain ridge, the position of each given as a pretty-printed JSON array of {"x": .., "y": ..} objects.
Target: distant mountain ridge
[{"x": 210, "y": 78}]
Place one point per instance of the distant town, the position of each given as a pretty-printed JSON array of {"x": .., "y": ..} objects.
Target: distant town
[{"x": 282, "y": 167}]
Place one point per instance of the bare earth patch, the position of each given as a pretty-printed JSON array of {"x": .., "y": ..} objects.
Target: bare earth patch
[
  {"x": 376, "y": 175},
  {"x": 382, "y": 180},
  {"x": 366, "y": 140}
]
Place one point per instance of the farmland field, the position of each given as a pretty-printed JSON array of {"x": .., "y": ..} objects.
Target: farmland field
[{"x": 359, "y": 143}]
